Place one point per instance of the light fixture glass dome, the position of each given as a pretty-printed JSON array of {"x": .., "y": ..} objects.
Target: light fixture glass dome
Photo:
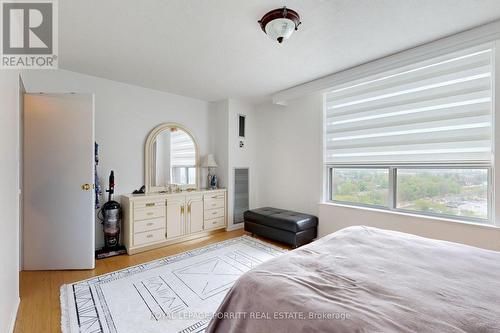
[
  {"x": 280, "y": 28},
  {"x": 279, "y": 24}
]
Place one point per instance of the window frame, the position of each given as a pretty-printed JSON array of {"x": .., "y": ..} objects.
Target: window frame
[{"x": 392, "y": 196}]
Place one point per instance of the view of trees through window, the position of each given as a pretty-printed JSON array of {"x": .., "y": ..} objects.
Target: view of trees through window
[
  {"x": 461, "y": 192},
  {"x": 365, "y": 186},
  {"x": 458, "y": 192}
]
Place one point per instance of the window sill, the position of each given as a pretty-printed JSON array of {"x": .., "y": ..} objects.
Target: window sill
[{"x": 420, "y": 216}]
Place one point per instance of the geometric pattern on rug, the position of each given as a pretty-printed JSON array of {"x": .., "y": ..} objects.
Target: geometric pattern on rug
[
  {"x": 244, "y": 259},
  {"x": 148, "y": 297},
  {"x": 209, "y": 277},
  {"x": 159, "y": 296},
  {"x": 87, "y": 315}
]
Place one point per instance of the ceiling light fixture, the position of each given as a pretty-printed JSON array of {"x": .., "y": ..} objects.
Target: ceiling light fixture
[{"x": 279, "y": 24}]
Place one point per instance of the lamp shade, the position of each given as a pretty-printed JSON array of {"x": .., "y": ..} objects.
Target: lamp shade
[{"x": 209, "y": 161}]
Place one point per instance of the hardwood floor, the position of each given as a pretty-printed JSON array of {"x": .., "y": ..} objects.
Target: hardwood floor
[{"x": 39, "y": 310}]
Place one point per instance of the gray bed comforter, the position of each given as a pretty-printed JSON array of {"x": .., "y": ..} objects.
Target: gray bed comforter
[{"x": 363, "y": 279}]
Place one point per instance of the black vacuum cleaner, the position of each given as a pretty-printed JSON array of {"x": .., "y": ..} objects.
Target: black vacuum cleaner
[{"x": 110, "y": 216}]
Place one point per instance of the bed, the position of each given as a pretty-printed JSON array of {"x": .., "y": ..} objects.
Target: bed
[{"x": 362, "y": 279}]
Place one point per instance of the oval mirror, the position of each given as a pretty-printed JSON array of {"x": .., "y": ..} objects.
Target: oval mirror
[{"x": 171, "y": 159}]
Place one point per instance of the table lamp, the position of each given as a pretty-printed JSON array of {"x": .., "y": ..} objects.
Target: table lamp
[{"x": 209, "y": 162}]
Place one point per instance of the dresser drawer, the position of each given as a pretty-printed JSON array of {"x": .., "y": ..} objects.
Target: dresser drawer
[
  {"x": 149, "y": 237},
  {"x": 148, "y": 225},
  {"x": 149, "y": 203},
  {"x": 214, "y": 223},
  {"x": 214, "y": 203},
  {"x": 214, "y": 213},
  {"x": 149, "y": 213},
  {"x": 214, "y": 196}
]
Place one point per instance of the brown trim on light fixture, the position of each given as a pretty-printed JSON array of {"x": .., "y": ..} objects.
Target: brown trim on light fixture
[{"x": 280, "y": 13}]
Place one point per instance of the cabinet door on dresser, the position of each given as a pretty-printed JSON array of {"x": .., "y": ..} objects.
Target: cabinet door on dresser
[
  {"x": 175, "y": 216},
  {"x": 194, "y": 205}
]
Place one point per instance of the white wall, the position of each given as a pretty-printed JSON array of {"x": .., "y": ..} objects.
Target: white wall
[
  {"x": 124, "y": 116},
  {"x": 9, "y": 198},
  {"x": 290, "y": 154},
  {"x": 228, "y": 154},
  {"x": 219, "y": 141},
  {"x": 291, "y": 176},
  {"x": 21, "y": 93},
  {"x": 242, "y": 157}
]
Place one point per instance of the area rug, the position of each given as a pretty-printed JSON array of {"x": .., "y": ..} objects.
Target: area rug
[{"x": 179, "y": 293}]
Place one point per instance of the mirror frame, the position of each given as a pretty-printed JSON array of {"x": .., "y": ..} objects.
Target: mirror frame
[{"x": 148, "y": 163}]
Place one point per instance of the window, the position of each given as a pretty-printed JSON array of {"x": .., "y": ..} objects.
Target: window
[
  {"x": 457, "y": 192},
  {"x": 183, "y": 175},
  {"x": 445, "y": 191},
  {"x": 191, "y": 175},
  {"x": 415, "y": 139},
  {"x": 182, "y": 158},
  {"x": 361, "y": 185}
]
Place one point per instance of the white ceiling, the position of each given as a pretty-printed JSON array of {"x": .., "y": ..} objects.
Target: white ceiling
[{"x": 214, "y": 49}]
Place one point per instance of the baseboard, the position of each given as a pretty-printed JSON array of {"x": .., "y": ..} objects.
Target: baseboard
[
  {"x": 13, "y": 316},
  {"x": 235, "y": 226}
]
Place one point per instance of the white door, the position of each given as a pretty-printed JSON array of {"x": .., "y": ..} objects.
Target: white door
[
  {"x": 175, "y": 216},
  {"x": 58, "y": 176},
  {"x": 195, "y": 213}
]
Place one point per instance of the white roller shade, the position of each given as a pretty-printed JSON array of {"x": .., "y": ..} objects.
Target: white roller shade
[
  {"x": 435, "y": 111},
  {"x": 182, "y": 151}
]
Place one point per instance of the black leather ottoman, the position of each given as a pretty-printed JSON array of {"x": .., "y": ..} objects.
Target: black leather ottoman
[{"x": 281, "y": 225}]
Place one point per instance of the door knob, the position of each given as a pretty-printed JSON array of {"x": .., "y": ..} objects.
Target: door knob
[{"x": 86, "y": 187}]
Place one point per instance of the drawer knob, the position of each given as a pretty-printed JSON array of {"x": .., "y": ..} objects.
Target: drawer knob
[
  {"x": 149, "y": 224},
  {"x": 149, "y": 236},
  {"x": 150, "y": 213},
  {"x": 150, "y": 204},
  {"x": 214, "y": 222},
  {"x": 214, "y": 213}
]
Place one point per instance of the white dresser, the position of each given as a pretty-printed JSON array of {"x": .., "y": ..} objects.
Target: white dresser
[{"x": 155, "y": 220}]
